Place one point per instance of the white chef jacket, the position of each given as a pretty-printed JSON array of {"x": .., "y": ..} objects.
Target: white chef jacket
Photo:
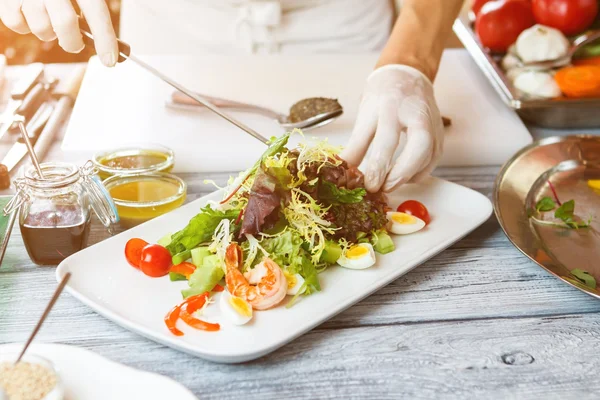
[{"x": 256, "y": 26}]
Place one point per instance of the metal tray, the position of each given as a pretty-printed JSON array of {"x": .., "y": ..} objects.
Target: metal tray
[
  {"x": 555, "y": 113},
  {"x": 568, "y": 162}
]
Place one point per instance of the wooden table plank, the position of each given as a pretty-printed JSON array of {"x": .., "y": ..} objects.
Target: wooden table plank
[{"x": 492, "y": 359}]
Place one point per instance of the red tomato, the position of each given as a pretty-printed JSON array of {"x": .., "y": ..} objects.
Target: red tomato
[
  {"x": 156, "y": 260},
  {"x": 477, "y": 4},
  {"x": 569, "y": 16},
  {"x": 133, "y": 251},
  {"x": 416, "y": 209},
  {"x": 500, "y": 22}
]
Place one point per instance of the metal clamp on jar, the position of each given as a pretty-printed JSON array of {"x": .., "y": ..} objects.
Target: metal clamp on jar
[{"x": 55, "y": 209}]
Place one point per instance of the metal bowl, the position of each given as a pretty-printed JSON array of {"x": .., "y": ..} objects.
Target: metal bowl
[
  {"x": 568, "y": 163},
  {"x": 549, "y": 113}
]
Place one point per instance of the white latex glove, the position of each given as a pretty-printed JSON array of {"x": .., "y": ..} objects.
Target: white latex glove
[
  {"x": 398, "y": 115},
  {"x": 49, "y": 19}
]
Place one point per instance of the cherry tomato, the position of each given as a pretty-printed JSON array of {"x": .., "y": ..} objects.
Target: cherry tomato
[
  {"x": 133, "y": 251},
  {"x": 416, "y": 209},
  {"x": 569, "y": 16},
  {"x": 500, "y": 22},
  {"x": 477, "y": 4},
  {"x": 185, "y": 269},
  {"x": 156, "y": 260}
]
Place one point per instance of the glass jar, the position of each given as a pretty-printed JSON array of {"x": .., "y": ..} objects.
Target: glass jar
[{"x": 55, "y": 211}]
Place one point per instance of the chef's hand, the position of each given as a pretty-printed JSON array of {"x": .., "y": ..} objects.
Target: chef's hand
[
  {"x": 398, "y": 117},
  {"x": 49, "y": 19}
]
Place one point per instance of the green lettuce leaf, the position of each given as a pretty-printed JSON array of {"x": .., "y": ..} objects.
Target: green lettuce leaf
[
  {"x": 200, "y": 229},
  {"x": 332, "y": 194},
  {"x": 286, "y": 250}
]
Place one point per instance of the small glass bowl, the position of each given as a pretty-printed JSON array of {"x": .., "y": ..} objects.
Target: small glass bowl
[
  {"x": 149, "y": 204},
  {"x": 162, "y": 160},
  {"x": 58, "y": 392}
]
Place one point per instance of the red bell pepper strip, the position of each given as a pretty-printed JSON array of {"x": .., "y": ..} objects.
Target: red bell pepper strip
[
  {"x": 190, "y": 306},
  {"x": 185, "y": 269},
  {"x": 185, "y": 311},
  {"x": 171, "y": 320},
  {"x": 218, "y": 288}
]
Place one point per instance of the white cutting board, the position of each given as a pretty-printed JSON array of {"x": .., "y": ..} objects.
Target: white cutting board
[{"x": 126, "y": 104}]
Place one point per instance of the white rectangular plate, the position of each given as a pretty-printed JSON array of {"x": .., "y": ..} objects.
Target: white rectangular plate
[{"x": 103, "y": 280}]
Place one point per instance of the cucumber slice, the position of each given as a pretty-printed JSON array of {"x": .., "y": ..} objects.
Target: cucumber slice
[
  {"x": 198, "y": 255},
  {"x": 181, "y": 257},
  {"x": 331, "y": 252},
  {"x": 165, "y": 240},
  {"x": 383, "y": 243}
]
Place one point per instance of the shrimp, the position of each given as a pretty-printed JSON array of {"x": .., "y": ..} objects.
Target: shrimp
[{"x": 269, "y": 290}]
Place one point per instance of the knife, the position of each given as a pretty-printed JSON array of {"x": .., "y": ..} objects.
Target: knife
[
  {"x": 44, "y": 126},
  {"x": 66, "y": 91},
  {"x": 34, "y": 129},
  {"x": 24, "y": 105},
  {"x": 32, "y": 74}
]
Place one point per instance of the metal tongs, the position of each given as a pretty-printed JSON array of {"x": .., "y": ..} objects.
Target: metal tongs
[{"x": 125, "y": 53}]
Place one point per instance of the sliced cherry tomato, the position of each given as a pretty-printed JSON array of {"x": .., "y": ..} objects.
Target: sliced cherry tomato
[
  {"x": 171, "y": 320},
  {"x": 500, "y": 22},
  {"x": 416, "y": 209},
  {"x": 156, "y": 260},
  {"x": 185, "y": 269},
  {"x": 133, "y": 251},
  {"x": 218, "y": 288}
]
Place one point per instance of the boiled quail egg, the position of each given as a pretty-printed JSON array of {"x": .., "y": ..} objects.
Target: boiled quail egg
[
  {"x": 235, "y": 309},
  {"x": 402, "y": 224},
  {"x": 295, "y": 283},
  {"x": 359, "y": 256}
]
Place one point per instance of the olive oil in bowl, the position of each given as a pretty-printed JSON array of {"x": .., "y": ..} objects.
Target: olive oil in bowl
[{"x": 142, "y": 197}]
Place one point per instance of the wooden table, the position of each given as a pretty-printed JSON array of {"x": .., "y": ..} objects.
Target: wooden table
[{"x": 478, "y": 321}]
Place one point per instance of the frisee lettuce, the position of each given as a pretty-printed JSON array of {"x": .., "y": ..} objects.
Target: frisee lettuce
[{"x": 200, "y": 229}]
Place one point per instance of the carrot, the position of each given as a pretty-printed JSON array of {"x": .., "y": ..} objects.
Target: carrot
[
  {"x": 587, "y": 61},
  {"x": 579, "y": 81}
]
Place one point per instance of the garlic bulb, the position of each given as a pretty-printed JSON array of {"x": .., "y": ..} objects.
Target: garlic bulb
[
  {"x": 541, "y": 43},
  {"x": 537, "y": 83},
  {"x": 510, "y": 61}
]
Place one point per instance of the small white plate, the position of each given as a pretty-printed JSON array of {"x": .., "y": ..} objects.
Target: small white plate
[
  {"x": 103, "y": 280},
  {"x": 88, "y": 376}
]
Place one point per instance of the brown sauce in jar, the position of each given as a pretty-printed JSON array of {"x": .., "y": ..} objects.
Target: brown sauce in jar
[{"x": 50, "y": 236}]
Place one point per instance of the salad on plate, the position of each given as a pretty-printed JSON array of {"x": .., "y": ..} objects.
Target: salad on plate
[{"x": 295, "y": 213}]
